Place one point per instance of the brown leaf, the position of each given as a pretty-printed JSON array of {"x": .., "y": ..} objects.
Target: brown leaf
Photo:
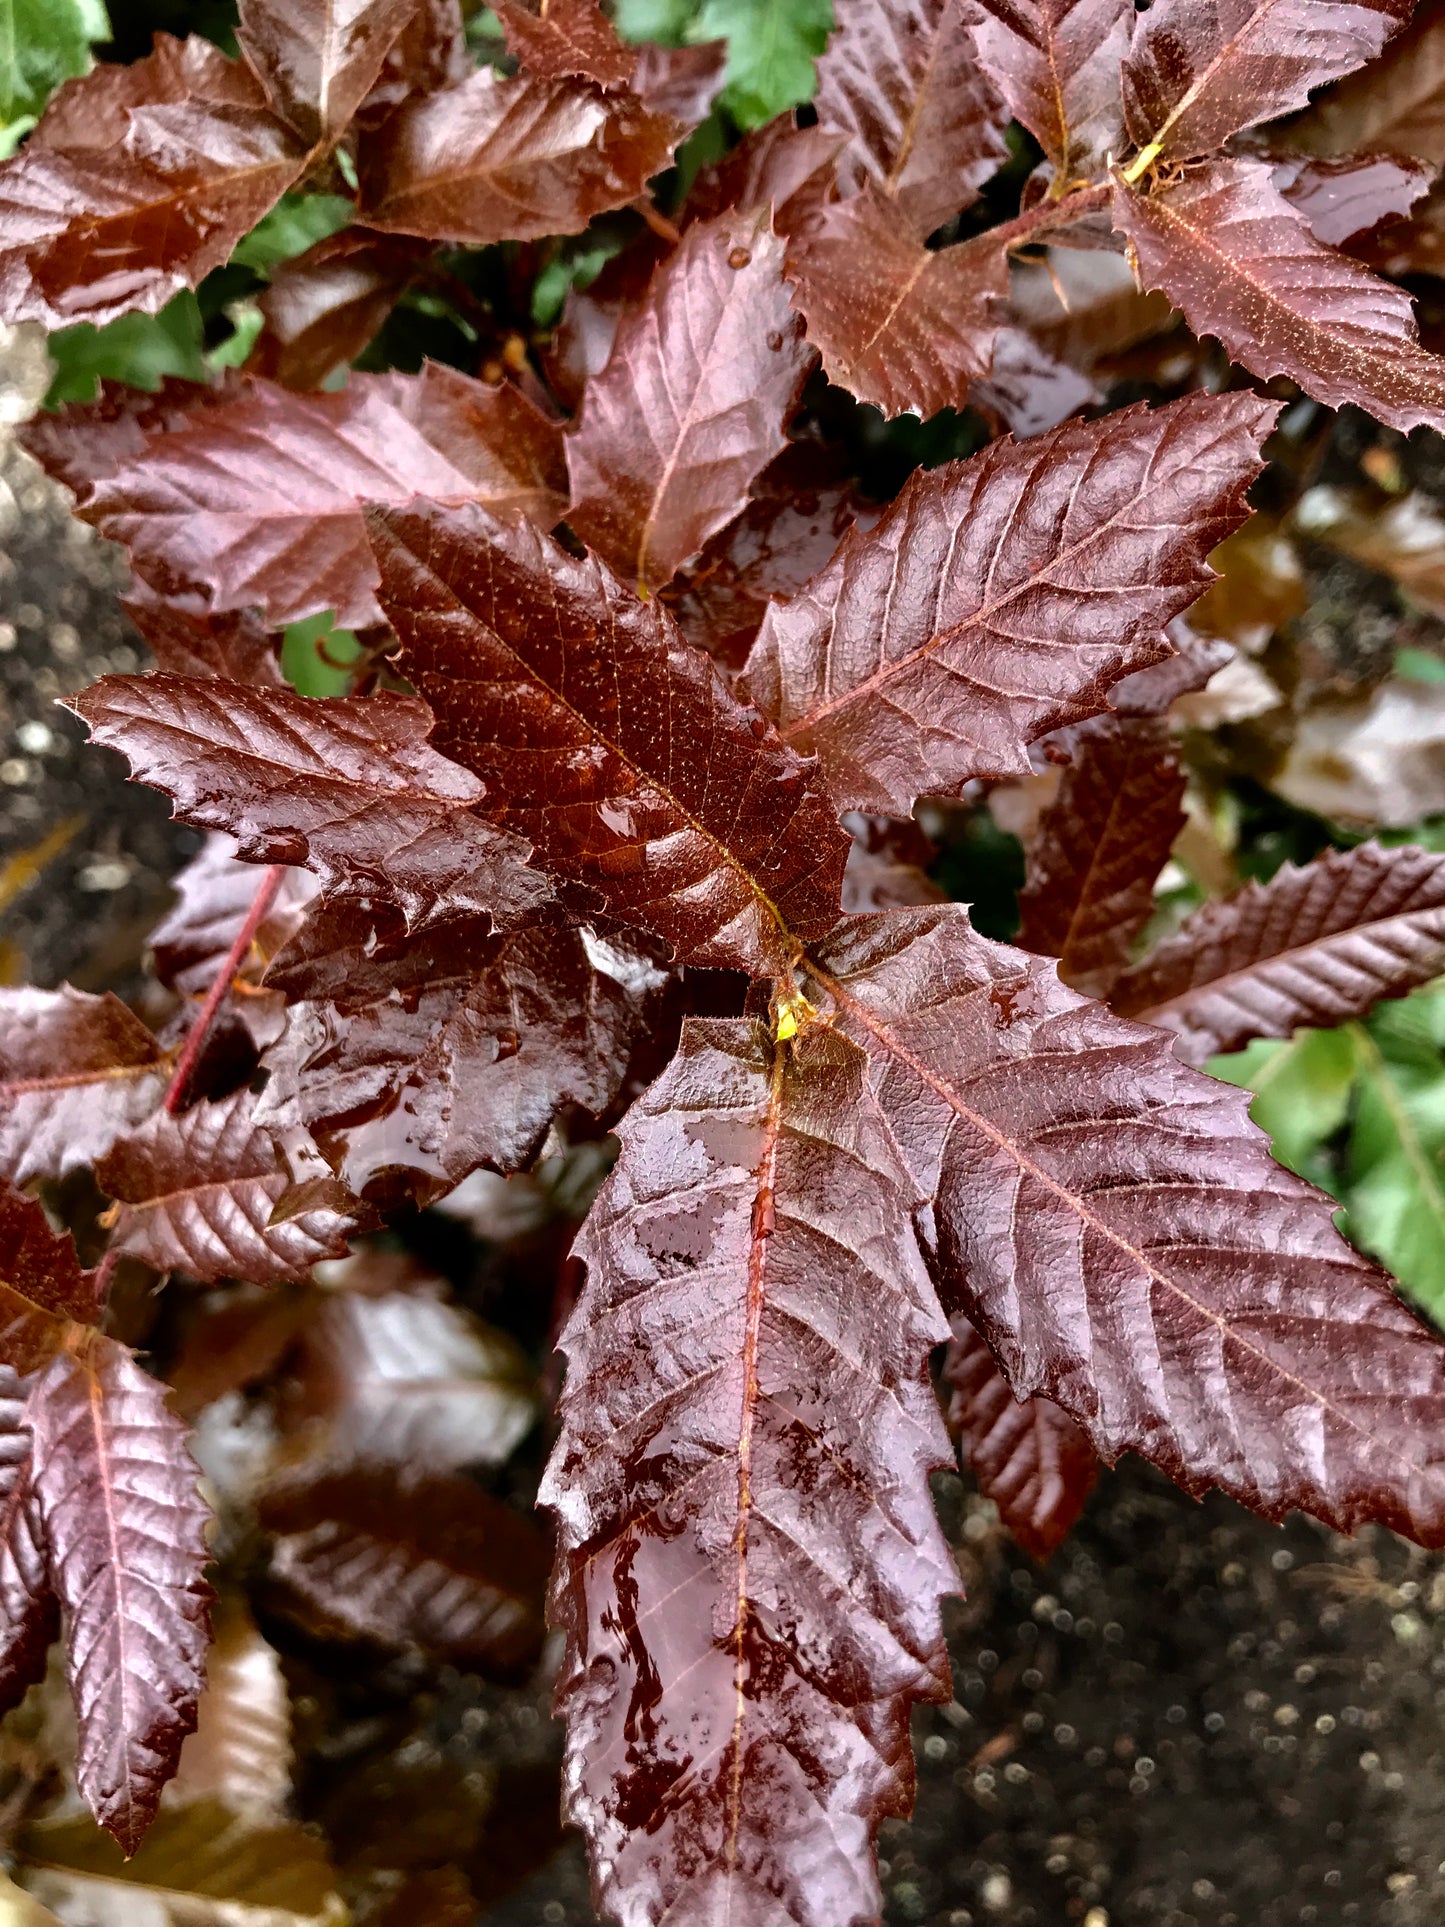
[
  {"x": 1200, "y": 70},
  {"x": 196, "y": 1193},
  {"x": 318, "y": 59},
  {"x": 1057, "y": 62},
  {"x": 215, "y": 892},
  {"x": 1375, "y": 761},
  {"x": 778, "y": 165},
  {"x": 346, "y": 785},
  {"x": 125, "y": 1528},
  {"x": 75, "y": 1071},
  {"x": 680, "y": 82},
  {"x": 496, "y": 159},
  {"x": 1403, "y": 538},
  {"x": 255, "y": 498},
  {"x": 29, "y": 1614},
  {"x": 199, "y": 1864},
  {"x": 408, "y": 1380},
  {"x": 692, "y": 403},
  {"x": 44, "y": 1294},
  {"x": 749, "y": 1581},
  {"x": 1030, "y": 1458},
  {"x": 240, "y": 1753},
  {"x": 82, "y": 441},
  {"x": 1099, "y": 848},
  {"x": 896, "y": 324},
  {"x": 187, "y": 639},
  {"x": 924, "y": 118},
  {"x": 1026, "y": 390},
  {"x": 1000, "y": 597},
  {"x": 431, "y": 52},
  {"x": 450, "y": 1052},
  {"x": 566, "y": 37},
  {"x": 239, "y": 1338},
  {"x": 1314, "y": 946},
  {"x": 1116, "y": 1229},
  {"x": 1396, "y": 105},
  {"x": 1106, "y": 312},
  {"x": 324, "y": 306},
  {"x": 887, "y": 865},
  {"x": 1228, "y": 249},
  {"x": 1342, "y": 198},
  {"x": 700, "y": 828},
  {"x": 136, "y": 189},
  {"x": 432, "y": 1562}
]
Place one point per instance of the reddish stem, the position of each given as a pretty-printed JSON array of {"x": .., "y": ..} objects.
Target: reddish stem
[
  {"x": 100, "y": 1278},
  {"x": 1047, "y": 214},
  {"x": 220, "y": 988}
]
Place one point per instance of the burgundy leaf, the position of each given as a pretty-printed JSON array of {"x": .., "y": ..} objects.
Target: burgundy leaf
[
  {"x": 239, "y": 1339},
  {"x": 751, "y": 1571},
  {"x": 255, "y": 499},
  {"x": 85, "y": 440},
  {"x": 452, "y": 1052},
  {"x": 566, "y": 37},
  {"x": 1200, "y": 70},
  {"x": 926, "y": 125},
  {"x": 692, "y": 403},
  {"x": 617, "y": 750},
  {"x": 1397, "y": 105},
  {"x": 496, "y": 159},
  {"x": 324, "y": 306},
  {"x": 1118, "y": 1232},
  {"x": 1057, "y": 62},
  {"x": 1153, "y": 691},
  {"x": 1099, "y": 848},
  {"x": 431, "y": 1561},
  {"x": 778, "y": 165},
  {"x": 1000, "y": 597},
  {"x": 126, "y": 1533},
  {"x": 75, "y": 1071},
  {"x": 1227, "y": 248},
  {"x": 1027, "y": 390},
  {"x": 136, "y": 190},
  {"x": 346, "y": 785},
  {"x": 44, "y": 1295},
  {"x": 1342, "y": 198},
  {"x": 887, "y": 865},
  {"x": 408, "y": 1380},
  {"x": 1316, "y": 946},
  {"x": 1030, "y": 1458},
  {"x": 583, "y": 337},
  {"x": 800, "y": 510},
  {"x": 430, "y": 53},
  {"x": 29, "y": 1614},
  {"x": 215, "y": 892},
  {"x": 680, "y": 82},
  {"x": 897, "y": 324},
  {"x": 318, "y": 59},
  {"x": 196, "y": 1192},
  {"x": 187, "y": 639}
]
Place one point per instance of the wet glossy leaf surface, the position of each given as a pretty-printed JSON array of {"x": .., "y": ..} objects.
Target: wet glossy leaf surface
[{"x": 75, "y": 1071}]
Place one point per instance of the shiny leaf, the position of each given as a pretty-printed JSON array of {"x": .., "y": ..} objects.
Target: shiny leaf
[
  {"x": 1343, "y": 198},
  {"x": 186, "y": 639},
  {"x": 1001, "y": 597},
  {"x": 751, "y": 1570},
  {"x": 45, "y": 1297},
  {"x": 125, "y": 1528},
  {"x": 345, "y": 785},
  {"x": 215, "y": 892},
  {"x": 326, "y": 305},
  {"x": 924, "y": 118},
  {"x": 566, "y": 37},
  {"x": 1117, "y": 1231},
  {"x": 660, "y": 797},
  {"x": 692, "y": 403},
  {"x": 1312, "y": 946},
  {"x": 29, "y": 1614},
  {"x": 1395, "y": 106},
  {"x": 1057, "y": 64},
  {"x": 1099, "y": 848},
  {"x": 240, "y": 1753},
  {"x": 196, "y": 1194},
  {"x": 318, "y": 59},
  {"x": 1228, "y": 249},
  {"x": 1200, "y": 70},
  {"x": 75, "y": 1071},
  {"x": 1030, "y": 1458},
  {"x": 496, "y": 159},
  {"x": 255, "y": 499}
]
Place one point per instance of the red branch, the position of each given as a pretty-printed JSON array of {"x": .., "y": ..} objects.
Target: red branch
[{"x": 225, "y": 977}]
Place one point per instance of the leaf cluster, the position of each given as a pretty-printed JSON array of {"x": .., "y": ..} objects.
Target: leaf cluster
[{"x": 610, "y": 828}]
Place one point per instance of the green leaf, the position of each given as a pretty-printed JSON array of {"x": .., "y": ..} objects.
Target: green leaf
[
  {"x": 140, "y": 349},
  {"x": 1302, "y": 1094},
  {"x": 1396, "y": 1199},
  {"x": 43, "y": 42},
  {"x": 664, "y": 20},
  {"x": 772, "y": 45},
  {"x": 306, "y": 668},
  {"x": 297, "y": 222}
]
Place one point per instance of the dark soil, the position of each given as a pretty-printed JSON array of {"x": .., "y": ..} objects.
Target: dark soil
[{"x": 1188, "y": 1719}]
